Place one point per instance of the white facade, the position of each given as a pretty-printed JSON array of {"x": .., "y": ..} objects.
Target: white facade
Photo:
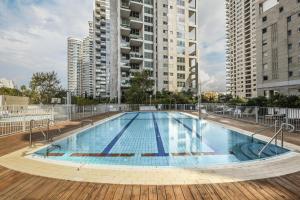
[
  {"x": 74, "y": 65},
  {"x": 241, "y": 48},
  {"x": 87, "y": 67},
  {"x": 159, "y": 36},
  {"x": 7, "y": 83}
]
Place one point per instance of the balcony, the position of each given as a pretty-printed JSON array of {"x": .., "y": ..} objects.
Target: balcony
[
  {"x": 125, "y": 47},
  {"x": 125, "y": 11},
  {"x": 136, "y": 40},
  {"x": 125, "y": 64},
  {"x": 136, "y": 5},
  {"x": 136, "y": 58},
  {"x": 136, "y": 23},
  {"x": 125, "y": 29}
]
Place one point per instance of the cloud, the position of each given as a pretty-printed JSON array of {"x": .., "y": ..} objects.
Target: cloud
[
  {"x": 33, "y": 35},
  {"x": 212, "y": 45}
]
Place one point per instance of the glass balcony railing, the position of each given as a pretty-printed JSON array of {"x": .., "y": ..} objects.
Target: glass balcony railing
[
  {"x": 136, "y": 36},
  {"x": 136, "y": 55}
]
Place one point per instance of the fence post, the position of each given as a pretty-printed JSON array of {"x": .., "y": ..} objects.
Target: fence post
[
  {"x": 256, "y": 114},
  {"x": 287, "y": 115}
]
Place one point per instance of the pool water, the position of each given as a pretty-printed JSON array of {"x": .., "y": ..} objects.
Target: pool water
[{"x": 157, "y": 139}]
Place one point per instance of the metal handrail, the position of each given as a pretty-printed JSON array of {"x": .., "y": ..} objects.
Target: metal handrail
[
  {"x": 264, "y": 129},
  {"x": 30, "y": 131},
  {"x": 276, "y": 134}
]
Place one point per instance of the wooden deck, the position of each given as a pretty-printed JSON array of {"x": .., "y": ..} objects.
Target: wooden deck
[{"x": 16, "y": 185}]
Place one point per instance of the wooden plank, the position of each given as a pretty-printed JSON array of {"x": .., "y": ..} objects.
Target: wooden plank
[
  {"x": 127, "y": 192},
  {"x": 232, "y": 191},
  {"x": 248, "y": 191},
  {"x": 23, "y": 190},
  {"x": 220, "y": 192},
  {"x": 169, "y": 192},
  {"x": 287, "y": 194},
  {"x": 178, "y": 192},
  {"x": 152, "y": 193},
  {"x": 288, "y": 185},
  {"x": 43, "y": 190},
  {"x": 260, "y": 189},
  {"x": 161, "y": 193},
  {"x": 144, "y": 192},
  {"x": 93, "y": 194},
  {"x": 195, "y": 192},
  {"x": 205, "y": 193},
  {"x": 78, "y": 191},
  {"x": 119, "y": 192},
  {"x": 102, "y": 193},
  {"x": 136, "y": 191},
  {"x": 110, "y": 192},
  {"x": 70, "y": 190},
  {"x": 186, "y": 192}
]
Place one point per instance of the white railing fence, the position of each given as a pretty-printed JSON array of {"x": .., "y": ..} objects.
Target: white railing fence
[
  {"x": 259, "y": 115},
  {"x": 14, "y": 119}
]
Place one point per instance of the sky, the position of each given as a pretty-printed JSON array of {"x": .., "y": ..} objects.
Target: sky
[{"x": 33, "y": 38}]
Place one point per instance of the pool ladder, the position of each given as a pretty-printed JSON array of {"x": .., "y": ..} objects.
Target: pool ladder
[
  {"x": 280, "y": 131},
  {"x": 40, "y": 128}
]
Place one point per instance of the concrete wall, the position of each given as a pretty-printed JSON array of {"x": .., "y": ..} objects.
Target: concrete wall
[{"x": 13, "y": 100}]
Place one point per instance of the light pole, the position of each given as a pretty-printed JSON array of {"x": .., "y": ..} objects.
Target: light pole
[
  {"x": 150, "y": 99},
  {"x": 199, "y": 100}
]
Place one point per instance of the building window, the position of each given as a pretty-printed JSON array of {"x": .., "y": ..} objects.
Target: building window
[
  {"x": 289, "y": 19},
  {"x": 181, "y": 76},
  {"x": 180, "y": 59},
  {"x": 290, "y": 60},
  {"x": 148, "y": 28},
  {"x": 165, "y": 57},
  {"x": 148, "y": 64},
  {"x": 281, "y": 9},
  {"x": 290, "y": 46},
  {"x": 290, "y": 73},
  {"x": 265, "y": 78},
  {"x": 289, "y": 32},
  {"x": 166, "y": 82},
  {"x": 148, "y": 37},
  {"x": 180, "y": 68},
  {"x": 166, "y": 73},
  {"x": 148, "y": 46},
  {"x": 148, "y": 55},
  {"x": 264, "y": 18},
  {"x": 180, "y": 84},
  {"x": 264, "y": 30},
  {"x": 148, "y": 10},
  {"x": 149, "y": 2},
  {"x": 148, "y": 19}
]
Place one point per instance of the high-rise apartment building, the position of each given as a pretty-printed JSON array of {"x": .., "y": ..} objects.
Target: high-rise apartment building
[
  {"x": 159, "y": 36},
  {"x": 278, "y": 47},
  {"x": 87, "y": 64},
  {"x": 103, "y": 63},
  {"x": 74, "y": 65},
  {"x": 241, "y": 48}
]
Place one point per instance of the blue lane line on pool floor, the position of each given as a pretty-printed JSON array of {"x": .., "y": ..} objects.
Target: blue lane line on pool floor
[
  {"x": 160, "y": 146},
  {"x": 115, "y": 140}
]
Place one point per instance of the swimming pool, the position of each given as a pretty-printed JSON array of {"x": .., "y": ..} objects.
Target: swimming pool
[{"x": 157, "y": 139}]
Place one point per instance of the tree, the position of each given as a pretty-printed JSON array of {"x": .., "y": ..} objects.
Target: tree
[
  {"x": 44, "y": 86},
  {"x": 140, "y": 89},
  {"x": 10, "y": 91}
]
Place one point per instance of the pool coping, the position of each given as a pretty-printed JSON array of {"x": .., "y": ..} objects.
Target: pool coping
[{"x": 275, "y": 166}]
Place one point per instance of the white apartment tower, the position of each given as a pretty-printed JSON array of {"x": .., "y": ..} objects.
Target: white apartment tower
[
  {"x": 241, "y": 48},
  {"x": 74, "y": 65},
  {"x": 87, "y": 68},
  {"x": 159, "y": 36}
]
